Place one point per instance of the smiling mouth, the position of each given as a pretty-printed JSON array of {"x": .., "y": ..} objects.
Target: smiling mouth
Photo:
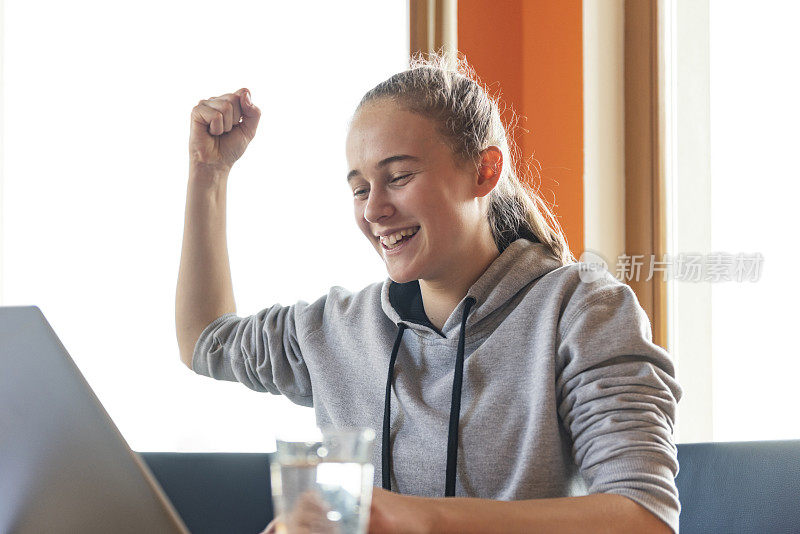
[{"x": 398, "y": 244}]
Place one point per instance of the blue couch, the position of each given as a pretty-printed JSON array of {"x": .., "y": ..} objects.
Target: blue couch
[{"x": 730, "y": 488}]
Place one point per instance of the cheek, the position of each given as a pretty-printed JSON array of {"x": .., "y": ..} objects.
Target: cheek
[
  {"x": 434, "y": 209},
  {"x": 444, "y": 220}
]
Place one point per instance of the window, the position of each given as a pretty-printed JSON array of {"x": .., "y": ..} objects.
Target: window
[
  {"x": 96, "y": 104},
  {"x": 734, "y": 133}
]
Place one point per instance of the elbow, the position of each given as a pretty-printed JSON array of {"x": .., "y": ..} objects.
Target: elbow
[
  {"x": 647, "y": 521},
  {"x": 186, "y": 345},
  {"x": 186, "y": 356}
]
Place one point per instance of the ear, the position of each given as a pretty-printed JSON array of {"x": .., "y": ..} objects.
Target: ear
[{"x": 490, "y": 168}]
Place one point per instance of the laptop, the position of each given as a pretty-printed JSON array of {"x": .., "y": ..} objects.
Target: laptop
[{"x": 64, "y": 466}]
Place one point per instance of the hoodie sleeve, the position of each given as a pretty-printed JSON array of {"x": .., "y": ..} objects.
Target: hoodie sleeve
[
  {"x": 262, "y": 351},
  {"x": 617, "y": 398}
]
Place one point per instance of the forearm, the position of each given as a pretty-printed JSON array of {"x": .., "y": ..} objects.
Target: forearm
[
  {"x": 205, "y": 289},
  {"x": 597, "y": 513}
]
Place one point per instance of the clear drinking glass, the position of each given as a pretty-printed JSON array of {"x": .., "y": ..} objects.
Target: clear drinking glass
[{"x": 323, "y": 485}]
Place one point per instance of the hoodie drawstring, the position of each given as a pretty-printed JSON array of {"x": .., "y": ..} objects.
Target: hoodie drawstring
[
  {"x": 455, "y": 409},
  {"x": 386, "y": 455}
]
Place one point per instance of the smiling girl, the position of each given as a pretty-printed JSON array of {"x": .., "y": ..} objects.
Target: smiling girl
[{"x": 510, "y": 393}]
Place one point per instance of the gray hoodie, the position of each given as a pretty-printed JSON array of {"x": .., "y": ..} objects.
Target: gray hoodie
[{"x": 553, "y": 383}]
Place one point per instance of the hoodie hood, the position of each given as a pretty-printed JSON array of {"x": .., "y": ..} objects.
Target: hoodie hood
[{"x": 503, "y": 279}]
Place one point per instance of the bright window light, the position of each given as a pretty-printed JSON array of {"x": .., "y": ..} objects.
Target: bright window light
[
  {"x": 97, "y": 99},
  {"x": 755, "y": 114}
]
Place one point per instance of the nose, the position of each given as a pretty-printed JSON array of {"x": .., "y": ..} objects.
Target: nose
[{"x": 377, "y": 206}]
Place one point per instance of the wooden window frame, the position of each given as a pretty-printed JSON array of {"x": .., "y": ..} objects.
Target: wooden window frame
[
  {"x": 645, "y": 185},
  {"x": 433, "y": 26}
]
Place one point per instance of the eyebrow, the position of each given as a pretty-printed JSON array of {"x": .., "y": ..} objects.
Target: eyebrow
[{"x": 384, "y": 162}]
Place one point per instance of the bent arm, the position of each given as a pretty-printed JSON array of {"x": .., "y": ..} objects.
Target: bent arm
[
  {"x": 205, "y": 289},
  {"x": 618, "y": 401}
]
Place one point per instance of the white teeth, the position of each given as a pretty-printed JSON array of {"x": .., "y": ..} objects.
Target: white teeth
[{"x": 390, "y": 240}]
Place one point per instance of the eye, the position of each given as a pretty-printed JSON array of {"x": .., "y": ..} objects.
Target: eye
[
  {"x": 358, "y": 193},
  {"x": 400, "y": 178}
]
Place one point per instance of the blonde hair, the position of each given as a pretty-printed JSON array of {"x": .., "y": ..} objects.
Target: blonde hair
[{"x": 469, "y": 121}]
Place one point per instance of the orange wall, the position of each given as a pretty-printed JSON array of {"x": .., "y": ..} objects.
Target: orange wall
[{"x": 531, "y": 50}]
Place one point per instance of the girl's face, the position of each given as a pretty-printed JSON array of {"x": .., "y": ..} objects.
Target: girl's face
[{"x": 403, "y": 178}]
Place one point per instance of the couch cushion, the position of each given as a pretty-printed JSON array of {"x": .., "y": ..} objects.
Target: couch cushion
[
  {"x": 216, "y": 492},
  {"x": 739, "y": 487}
]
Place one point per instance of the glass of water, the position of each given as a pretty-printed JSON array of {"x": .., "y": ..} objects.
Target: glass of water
[{"x": 323, "y": 485}]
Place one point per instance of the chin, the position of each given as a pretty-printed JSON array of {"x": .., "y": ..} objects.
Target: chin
[
  {"x": 402, "y": 279},
  {"x": 399, "y": 275},
  {"x": 402, "y": 275}
]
